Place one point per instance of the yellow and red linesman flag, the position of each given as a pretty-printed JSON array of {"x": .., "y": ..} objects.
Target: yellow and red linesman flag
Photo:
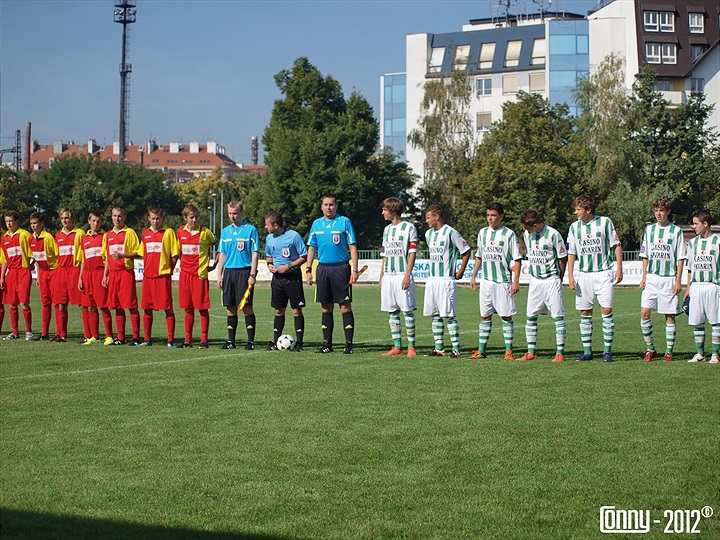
[
  {"x": 245, "y": 297},
  {"x": 353, "y": 279}
]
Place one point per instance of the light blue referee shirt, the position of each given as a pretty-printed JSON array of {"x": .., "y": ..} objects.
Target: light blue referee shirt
[
  {"x": 284, "y": 248},
  {"x": 238, "y": 244},
  {"x": 332, "y": 239}
]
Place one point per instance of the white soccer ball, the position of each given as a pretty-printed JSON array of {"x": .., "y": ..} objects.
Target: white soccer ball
[{"x": 285, "y": 342}]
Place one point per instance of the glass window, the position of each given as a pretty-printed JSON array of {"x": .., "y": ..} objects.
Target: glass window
[
  {"x": 562, "y": 45},
  {"x": 582, "y": 45},
  {"x": 669, "y": 53},
  {"x": 512, "y": 54},
  {"x": 650, "y": 19},
  {"x": 398, "y": 95},
  {"x": 697, "y": 85},
  {"x": 462, "y": 57},
  {"x": 538, "y": 54},
  {"x": 537, "y": 82},
  {"x": 483, "y": 121},
  {"x": 563, "y": 79},
  {"x": 663, "y": 85},
  {"x": 697, "y": 23},
  {"x": 652, "y": 53},
  {"x": 510, "y": 84},
  {"x": 388, "y": 94},
  {"x": 483, "y": 87},
  {"x": 436, "y": 59},
  {"x": 487, "y": 51},
  {"x": 667, "y": 21},
  {"x": 696, "y": 51}
]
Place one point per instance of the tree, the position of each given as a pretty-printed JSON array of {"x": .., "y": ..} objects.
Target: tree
[
  {"x": 16, "y": 193},
  {"x": 317, "y": 143}
]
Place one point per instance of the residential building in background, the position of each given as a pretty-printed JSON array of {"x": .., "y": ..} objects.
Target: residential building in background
[{"x": 393, "y": 112}]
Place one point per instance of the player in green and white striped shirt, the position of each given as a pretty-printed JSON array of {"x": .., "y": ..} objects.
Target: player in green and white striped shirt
[
  {"x": 547, "y": 258},
  {"x": 445, "y": 245},
  {"x": 397, "y": 286},
  {"x": 498, "y": 256},
  {"x": 591, "y": 241},
  {"x": 663, "y": 257},
  {"x": 704, "y": 278}
]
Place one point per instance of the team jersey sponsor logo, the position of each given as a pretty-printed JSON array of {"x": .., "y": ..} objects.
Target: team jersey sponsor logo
[
  {"x": 14, "y": 251},
  {"x": 93, "y": 252},
  {"x": 66, "y": 250},
  {"x": 117, "y": 249},
  {"x": 191, "y": 249},
  {"x": 153, "y": 247},
  {"x": 40, "y": 255},
  {"x": 285, "y": 252}
]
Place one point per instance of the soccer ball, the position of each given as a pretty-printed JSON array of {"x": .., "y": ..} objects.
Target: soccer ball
[{"x": 285, "y": 342}]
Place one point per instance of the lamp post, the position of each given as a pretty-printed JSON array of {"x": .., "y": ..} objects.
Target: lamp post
[
  {"x": 124, "y": 13},
  {"x": 214, "y": 215}
]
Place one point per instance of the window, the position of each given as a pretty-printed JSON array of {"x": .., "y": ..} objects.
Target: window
[
  {"x": 667, "y": 21},
  {"x": 696, "y": 51},
  {"x": 483, "y": 87},
  {"x": 462, "y": 56},
  {"x": 537, "y": 82},
  {"x": 663, "y": 85},
  {"x": 669, "y": 53},
  {"x": 652, "y": 53},
  {"x": 650, "y": 19},
  {"x": 696, "y": 22},
  {"x": 436, "y": 59},
  {"x": 512, "y": 53},
  {"x": 510, "y": 84},
  {"x": 487, "y": 51},
  {"x": 538, "y": 54},
  {"x": 483, "y": 121},
  {"x": 697, "y": 85}
]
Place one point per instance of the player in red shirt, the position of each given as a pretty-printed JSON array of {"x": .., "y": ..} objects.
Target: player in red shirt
[
  {"x": 3, "y": 269},
  {"x": 45, "y": 252},
  {"x": 18, "y": 276},
  {"x": 92, "y": 268},
  {"x": 159, "y": 250},
  {"x": 120, "y": 248},
  {"x": 69, "y": 242},
  {"x": 194, "y": 287}
]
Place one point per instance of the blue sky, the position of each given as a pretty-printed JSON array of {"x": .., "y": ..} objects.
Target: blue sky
[{"x": 202, "y": 70}]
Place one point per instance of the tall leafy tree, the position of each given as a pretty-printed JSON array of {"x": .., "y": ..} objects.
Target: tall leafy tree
[{"x": 317, "y": 142}]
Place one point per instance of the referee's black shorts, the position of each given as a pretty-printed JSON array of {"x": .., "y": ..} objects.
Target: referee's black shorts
[
  {"x": 333, "y": 283},
  {"x": 235, "y": 283},
  {"x": 287, "y": 287}
]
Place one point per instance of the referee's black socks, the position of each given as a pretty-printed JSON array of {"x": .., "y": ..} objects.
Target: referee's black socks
[
  {"x": 349, "y": 326},
  {"x": 328, "y": 324},
  {"x": 250, "y": 323},
  {"x": 232, "y": 322}
]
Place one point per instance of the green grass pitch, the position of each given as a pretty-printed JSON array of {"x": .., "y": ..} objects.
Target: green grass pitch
[{"x": 118, "y": 442}]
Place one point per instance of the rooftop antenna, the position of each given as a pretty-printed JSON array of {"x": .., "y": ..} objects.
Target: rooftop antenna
[{"x": 125, "y": 13}]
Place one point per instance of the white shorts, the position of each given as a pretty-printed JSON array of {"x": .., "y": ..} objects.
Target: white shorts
[
  {"x": 545, "y": 295},
  {"x": 393, "y": 297},
  {"x": 440, "y": 297},
  {"x": 592, "y": 286},
  {"x": 704, "y": 304},
  {"x": 496, "y": 298},
  {"x": 659, "y": 294}
]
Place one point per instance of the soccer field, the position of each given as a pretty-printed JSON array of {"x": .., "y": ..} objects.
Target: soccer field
[{"x": 121, "y": 442}]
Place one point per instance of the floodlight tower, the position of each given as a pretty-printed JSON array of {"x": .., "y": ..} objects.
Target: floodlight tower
[{"x": 125, "y": 13}]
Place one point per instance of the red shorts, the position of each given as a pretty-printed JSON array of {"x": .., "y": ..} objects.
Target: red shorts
[
  {"x": 46, "y": 282},
  {"x": 66, "y": 286},
  {"x": 17, "y": 286},
  {"x": 193, "y": 292},
  {"x": 93, "y": 294},
  {"x": 121, "y": 293},
  {"x": 157, "y": 293}
]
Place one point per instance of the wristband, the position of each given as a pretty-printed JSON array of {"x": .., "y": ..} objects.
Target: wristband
[{"x": 253, "y": 275}]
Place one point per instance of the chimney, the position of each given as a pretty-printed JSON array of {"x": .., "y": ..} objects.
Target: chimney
[
  {"x": 174, "y": 147},
  {"x": 116, "y": 148},
  {"x": 91, "y": 146},
  {"x": 58, "y": 147},
  {"x": 194, "y": 147},
  {"x": 212, "y": 147},
  {"x": 151, "y": 146},
  {"x": 28, "y": 142}
]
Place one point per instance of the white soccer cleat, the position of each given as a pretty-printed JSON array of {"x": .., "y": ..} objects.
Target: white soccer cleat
[
  {"x": 715, "y": 359},
  {"x": 697, "y": 358}
]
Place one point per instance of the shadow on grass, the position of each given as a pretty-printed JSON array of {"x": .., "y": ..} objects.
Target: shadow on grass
[{"x": 22, "y": 525}]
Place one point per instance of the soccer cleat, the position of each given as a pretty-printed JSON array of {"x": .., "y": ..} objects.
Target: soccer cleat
[
  {"x": 411, "y": 352},
  {"x": 186, "y": 345},
  {"x": 325, "y": 349},
  {"x": 435, "y": 352},
  {"x": 91, "y": 341},
  {"x": 668, "y": 357},
  {"x": 58, "y": 339},
  {"x": 144, "y": 344},
  {"x": 136, "y": 341},
  {"x": 455, "y": 354},
  {"x": 584, "y": 357},
  {"x": 607, "y": 357},
  {"x": 29, "y": 336},
  {"x": 348, "y": 349},
  {"x": 250, "y": 346},
  {"x": 11, "y": 336},
  {"x": 298, "y": 347},
  {"x": 117, "y": 342},
  {"x": 228, "y": 345},
  {"x": 203, "y": 345},
  {"x": 558, "y": 358},
  {"x": 83, "y": 341},
  {"x": 649, "y": 355},
  {"x": 271, "y": 346},
  {"x": 527, "y": 356},
  {"x": 509, "y": 355},
  {"x": 697, "y": 358},
  {"x": 170, "y": 345},
  {"x": 42, "y": 338},
  {"x": 715, "y": 359},
  {"x": 394, "y": 351},
  {"x": 477, "y": 355},
  {"x": 108, "y": 340}
]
